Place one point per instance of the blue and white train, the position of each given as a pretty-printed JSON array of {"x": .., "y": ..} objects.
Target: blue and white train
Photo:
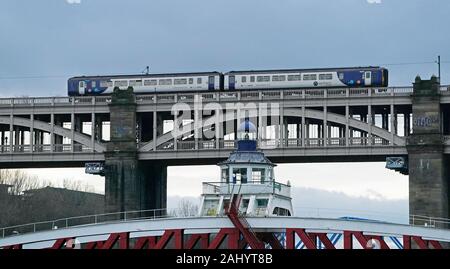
[{"x": 233, "y": 80}]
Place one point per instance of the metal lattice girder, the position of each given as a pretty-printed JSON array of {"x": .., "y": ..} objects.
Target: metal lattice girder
[
  {"x": 233, "y": 241},
  {"x": 196, "y": 238},
  {"x": 362, "y": 239},
  {"x": 122, "y": 238},
  {"x": 64, "y": 243},
  {"x": 18, "y": 246},
  {"x": 232, "y": 234},
  {"x": 421, "y": 243},
  {"x": 308, "y": 239}
]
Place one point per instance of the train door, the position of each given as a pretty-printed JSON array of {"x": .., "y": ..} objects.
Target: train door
[
  {"x": 231, "y": 82},
  {"x": 81, "y": 87},
  {"x": 211, "y": 83},
  {"x": 367, "y": 78}
]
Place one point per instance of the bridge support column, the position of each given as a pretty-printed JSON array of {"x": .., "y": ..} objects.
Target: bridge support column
[
  {"x": 130, "y": 184},
  {"x": 428, "y": 170}
]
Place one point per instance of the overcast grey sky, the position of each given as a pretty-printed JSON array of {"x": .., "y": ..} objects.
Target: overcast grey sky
[{"x": 44, "y": 42}]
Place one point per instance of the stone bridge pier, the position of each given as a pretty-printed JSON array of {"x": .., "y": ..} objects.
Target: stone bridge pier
[
  {"x": 428, "y": 165},
  {"x": 130, "y": 184}
]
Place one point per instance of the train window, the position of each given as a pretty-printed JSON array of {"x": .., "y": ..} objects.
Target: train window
[
  {"x": 368, "y": 74},
  {"x": 199, "y": 80},
  {"x": 150, "y": 82},
  {"x": 180, "y": 81},
  {"x": 279, "y": 78},
  {"x": 121, "y": 83},
  {"x": 325, "y": 76},
  {"x": 105, "y": 83},
  {"x": 252, "y": 78},
  {"x": 294, "y": 77},
  {"x": 191, "y": 80},
  {"x": 211, "y": 79},
  {"x": 263, "y": 78},
  {"x": 231, "y": 79},
  {"x": 243, "y": 79},
  {"x": 309, "y": 76},
  {"x": 341, "y": 76},
  {"x": 165, "y": 81},
  {"x": 136, "y": 82},
  {"x": 94, "y": 84},
  {"x": 81, "y": 84}
]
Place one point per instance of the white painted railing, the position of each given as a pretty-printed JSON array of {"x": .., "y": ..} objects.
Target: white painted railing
[
  {"x": 186, "y": 145},
  {"x": 170, "y": 98}
]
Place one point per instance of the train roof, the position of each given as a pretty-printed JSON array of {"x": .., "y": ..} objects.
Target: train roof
[
  {"x": 303, "y": 70},
  {"x": 150, "y": 75}
]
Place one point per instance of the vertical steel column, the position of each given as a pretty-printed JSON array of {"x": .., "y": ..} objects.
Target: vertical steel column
[
  {"x": 11, "y": 124},
  {"x": 218, "y": 127},
  {"x": 52, "y": 132},
  {"x": 369, "y": 122},
  {"x": 31, "y": 132},
  {"x": 155, "y": 128},
  {"x": 197, "y": 124},
  {"x": 391, "y": 112},
  {"x": 325, "y": 126},
  {"x": 347, "y": 129},
  {"x": 281, "y": 130},
  {"x": 72, "y": 131},
  {"x": 303, "y": 126},
  {"x": 176, "y": 125},
  {"x": 93, "y": 131}
]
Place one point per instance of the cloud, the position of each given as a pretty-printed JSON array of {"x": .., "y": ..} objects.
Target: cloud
[
  {"x": 73, "y": 2},
  {"x": 374, "y": 1}
]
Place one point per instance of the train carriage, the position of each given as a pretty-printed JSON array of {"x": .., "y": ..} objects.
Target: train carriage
[
  {"x": 306, "y": 78},
  {"x": 178, "y": 82}
]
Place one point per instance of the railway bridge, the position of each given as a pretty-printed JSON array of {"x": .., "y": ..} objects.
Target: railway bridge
[{"x": 137, "y": 136}]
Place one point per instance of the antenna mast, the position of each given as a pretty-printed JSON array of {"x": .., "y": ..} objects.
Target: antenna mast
[{"x": 146, "y": 70}]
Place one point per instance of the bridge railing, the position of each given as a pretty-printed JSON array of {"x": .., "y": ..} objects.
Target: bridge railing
[
  {"x": 45, "y": 148},
  {"x": 432, "y": 222},
  {"x": 272, "y": 143},
  {"x": 208, "y": 187},
  {"x": 92, "y": 219},
  {"x": 256, "y": 94},
  {"x": 249, "y": 187}
]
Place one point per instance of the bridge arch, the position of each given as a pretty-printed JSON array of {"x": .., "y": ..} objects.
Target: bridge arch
[
  {"x": 46, "y": 127},
  {"x": 292, "y": 112}
]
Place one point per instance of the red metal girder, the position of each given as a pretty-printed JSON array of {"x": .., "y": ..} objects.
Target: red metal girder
[
  {"x": 70, "y": 243},
  {"x": 362, "y": 239},
  {"x": 348, "y": 240},
  {"x": 290, "y": 238},
  {"x": 123, "y": 239},
  {"x": 18, "y": 246},
  {"x": 249, "y": 236},
  {"x": 309, "y": 243},
  {"x": 323, "y": 238},
  {"x": 421, "y": 243},
  {"x": 94, "y": 245},
  {"x": 149, "y": 241},
  {"x": 435, "y": 244},
  {"x": 309, "y": 239},
  {"x": 233, "y": 238},
  {"x": 168, "y": 234},
  {"x": 194, "y": 238},
  {"x": 271, "y": 239}
]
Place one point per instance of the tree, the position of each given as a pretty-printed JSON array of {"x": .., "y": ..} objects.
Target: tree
[{"x": 186, "y": 208}]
